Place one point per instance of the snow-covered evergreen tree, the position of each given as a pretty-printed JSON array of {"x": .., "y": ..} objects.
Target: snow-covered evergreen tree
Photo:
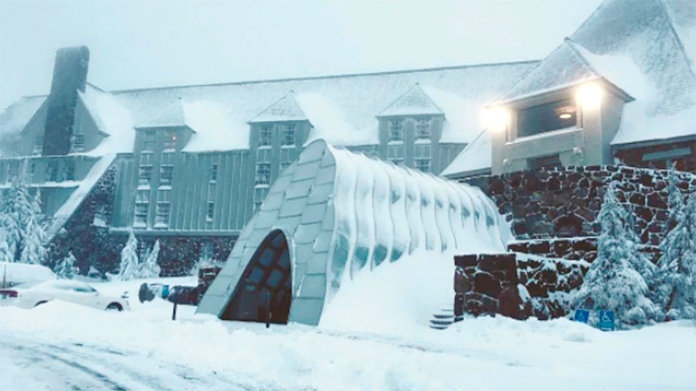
[
  {"x": 66, "y": 268},
  {"x": 612, "y": 283},
  {"x": 5, "y": 254},
  {"x": 675, "y": 200},
  {"x": 33, "y": 249},
  {"x": 638, "y": 260},
  {"x": 678, "y": 264},
  {"x": 15, "y": 211},
  {"x": 150, "y": 268},
  {"x": 129, "y": 260}
]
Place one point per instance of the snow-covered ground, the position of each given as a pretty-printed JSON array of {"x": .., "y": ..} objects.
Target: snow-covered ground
[{"x": 59, "y": 346}]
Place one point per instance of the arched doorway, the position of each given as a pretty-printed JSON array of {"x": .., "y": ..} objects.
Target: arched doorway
[{"x": 265, "y": 289}]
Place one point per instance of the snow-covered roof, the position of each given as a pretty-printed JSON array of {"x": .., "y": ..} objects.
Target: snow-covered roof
[
  {"x": 644, "y": 48},
  {"x": 349, "y": 101},
  {"x": 414, "y": 102},
  {"x": 475, "y": 158},
  {"x": 112, "y": 119},
  {"x": 16, "y": 117}
]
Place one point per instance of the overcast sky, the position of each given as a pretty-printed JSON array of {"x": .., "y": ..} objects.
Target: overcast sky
[{"x": 159, "y": 43}]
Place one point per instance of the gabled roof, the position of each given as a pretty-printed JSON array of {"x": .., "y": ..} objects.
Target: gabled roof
[
  {"x": 561, "y": 69},
  {"x": 111, "y": 118},
  {"x": 474, "y": 159},
  {"x": 285, "y": 109},
  {"x": 413, "y": 102}
]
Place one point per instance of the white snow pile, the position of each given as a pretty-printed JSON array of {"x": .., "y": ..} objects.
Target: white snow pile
[
  {"x": 112, "y": 118},
  {"x": 213, "y": 126},
  {"x": 480, "y": 354},
  {"x": 330, "y": 124}
]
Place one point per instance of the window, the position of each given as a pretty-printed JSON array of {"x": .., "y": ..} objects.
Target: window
[
  {"x": 145, "y": 169},
  {"x": 33, "y": 170},
  {"x": 149, "y": 140},
  {"x": 213, "y": 172},
  {"x": 265, "y": 135},
  {"x": 259, "y": 196},
  {"x": 395, "y": 154},
  {"x": 396, "y": 130},
  {"x": 423, "y": 129},
  {"x": 423, "y": 164},
  {"x": 170, "y": 140},
  {"x": 52, "y": 172},
  {"x": 257, "y": 205},
  {"x": 263, "y": 174},
  {"x": 163, "y": 208},
  {"x": 547, "y": 117},
  {"x": 78, "y": 142},
  {"x": 421, "y": 156},
  {"x": 166, "y": 175},
  {"x": 211, "y": 211},
  {"x": 38, "y": 145},
  {"x": 289, "y": 134},
  {"x": 145, "y": 175},
  {"x": 142, "y": 204},
  {"x": 69, "y": 171}
]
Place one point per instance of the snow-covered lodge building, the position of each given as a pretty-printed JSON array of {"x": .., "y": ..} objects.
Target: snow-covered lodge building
[{"x": 190, "y": 165}]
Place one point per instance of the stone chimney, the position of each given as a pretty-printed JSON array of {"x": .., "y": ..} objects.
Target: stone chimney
[{"x": 69, "y": 76}]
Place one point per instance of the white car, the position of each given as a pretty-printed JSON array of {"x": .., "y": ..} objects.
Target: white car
[{"x": 31, "y": 294}]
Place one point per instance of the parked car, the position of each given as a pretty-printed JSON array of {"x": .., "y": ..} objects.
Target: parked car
[
  {"x": 31, "y": 294},
  {"x": 12, "y": 274}
]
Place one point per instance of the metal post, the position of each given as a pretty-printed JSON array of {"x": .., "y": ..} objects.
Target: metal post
[
  {"x": 174, "y": 312},
  {"x": 268, "y": 309}
]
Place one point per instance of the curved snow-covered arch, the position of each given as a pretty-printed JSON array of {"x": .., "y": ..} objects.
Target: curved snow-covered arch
[{"x": 343, "y": 214}]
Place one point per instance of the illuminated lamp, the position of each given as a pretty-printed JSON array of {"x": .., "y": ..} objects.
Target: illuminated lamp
[
  {"x": 589, "y": 96},
  {"x": 497, "y": 118}
]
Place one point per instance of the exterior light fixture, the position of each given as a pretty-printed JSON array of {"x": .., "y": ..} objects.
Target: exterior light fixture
[
  {"x": 565, "y": 116},
  {"x": 497, "y": 118},
  {"x": 589, "y": 96}
]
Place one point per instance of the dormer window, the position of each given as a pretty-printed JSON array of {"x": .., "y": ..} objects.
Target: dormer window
[
  {"x": 170, "y": 140},
  {"x": 396, "y": 131},
  {"x": 265, "y": 135},
  {"x": 289, "y": 134},
  {"x": 78, "y": 142},
  {"x": 38, "y": 145},
  {"x": 149, "y": 140},
  {"x": 548, "y": 117},
  {"x": 423, "y": 129}
]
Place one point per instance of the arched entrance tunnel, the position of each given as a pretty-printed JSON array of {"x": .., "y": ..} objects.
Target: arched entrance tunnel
[{"x": 265, "y": 289}]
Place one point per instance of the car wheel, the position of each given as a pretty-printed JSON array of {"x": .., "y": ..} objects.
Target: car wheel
[
  {"x": 114, "y": 307},
  {"x": 41, "y": 302}
]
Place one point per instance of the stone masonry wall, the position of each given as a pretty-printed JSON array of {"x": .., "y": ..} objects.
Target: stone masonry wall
[
  {"x": 516, "y": 285},
  {"x": 564, "y": 202}
]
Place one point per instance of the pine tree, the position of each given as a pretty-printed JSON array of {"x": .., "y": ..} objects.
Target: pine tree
[
  {"x": 5, "y": 253},
  {"x": 675, "y": 200},
  {"x": 16, "y": 210},
  {"x": 638, "y": 260},
  {"x": 34, "y": 250},
  {"x": 150, "y": 268},
  {"x": 678, "y": 264},
  {"x": 612, "y": 283},
  {"x": 129, "y": 260},
  {"x": 66, "y": 268}
]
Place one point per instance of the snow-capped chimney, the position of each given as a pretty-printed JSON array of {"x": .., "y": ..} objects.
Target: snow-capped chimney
[{"x": 69, "y": 76}]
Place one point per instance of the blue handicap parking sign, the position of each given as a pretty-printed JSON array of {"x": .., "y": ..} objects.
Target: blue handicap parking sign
[
  {"x": 582, "y": 316},
  {"x": 606, "y": 320}
]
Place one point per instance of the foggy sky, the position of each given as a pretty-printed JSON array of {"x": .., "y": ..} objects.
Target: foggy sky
[{"x": 159, "y": 43}]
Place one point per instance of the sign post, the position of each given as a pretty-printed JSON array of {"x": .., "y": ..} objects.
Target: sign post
[
  {"x": 606, "y": 320},
  {"x": 582, "y": 316}
]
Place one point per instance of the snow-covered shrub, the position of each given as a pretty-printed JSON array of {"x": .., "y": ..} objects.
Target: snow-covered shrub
[
  {"x": 150, "y": 268},
  {"x": 20, "y": 218},
  {"x": 66, "y": 268},
  {"x": 611, "y": 282},
  {"x": 5, "y": 253},
  {"x": 678, "y": 264},
  {"x": 129, "y": 268}
]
